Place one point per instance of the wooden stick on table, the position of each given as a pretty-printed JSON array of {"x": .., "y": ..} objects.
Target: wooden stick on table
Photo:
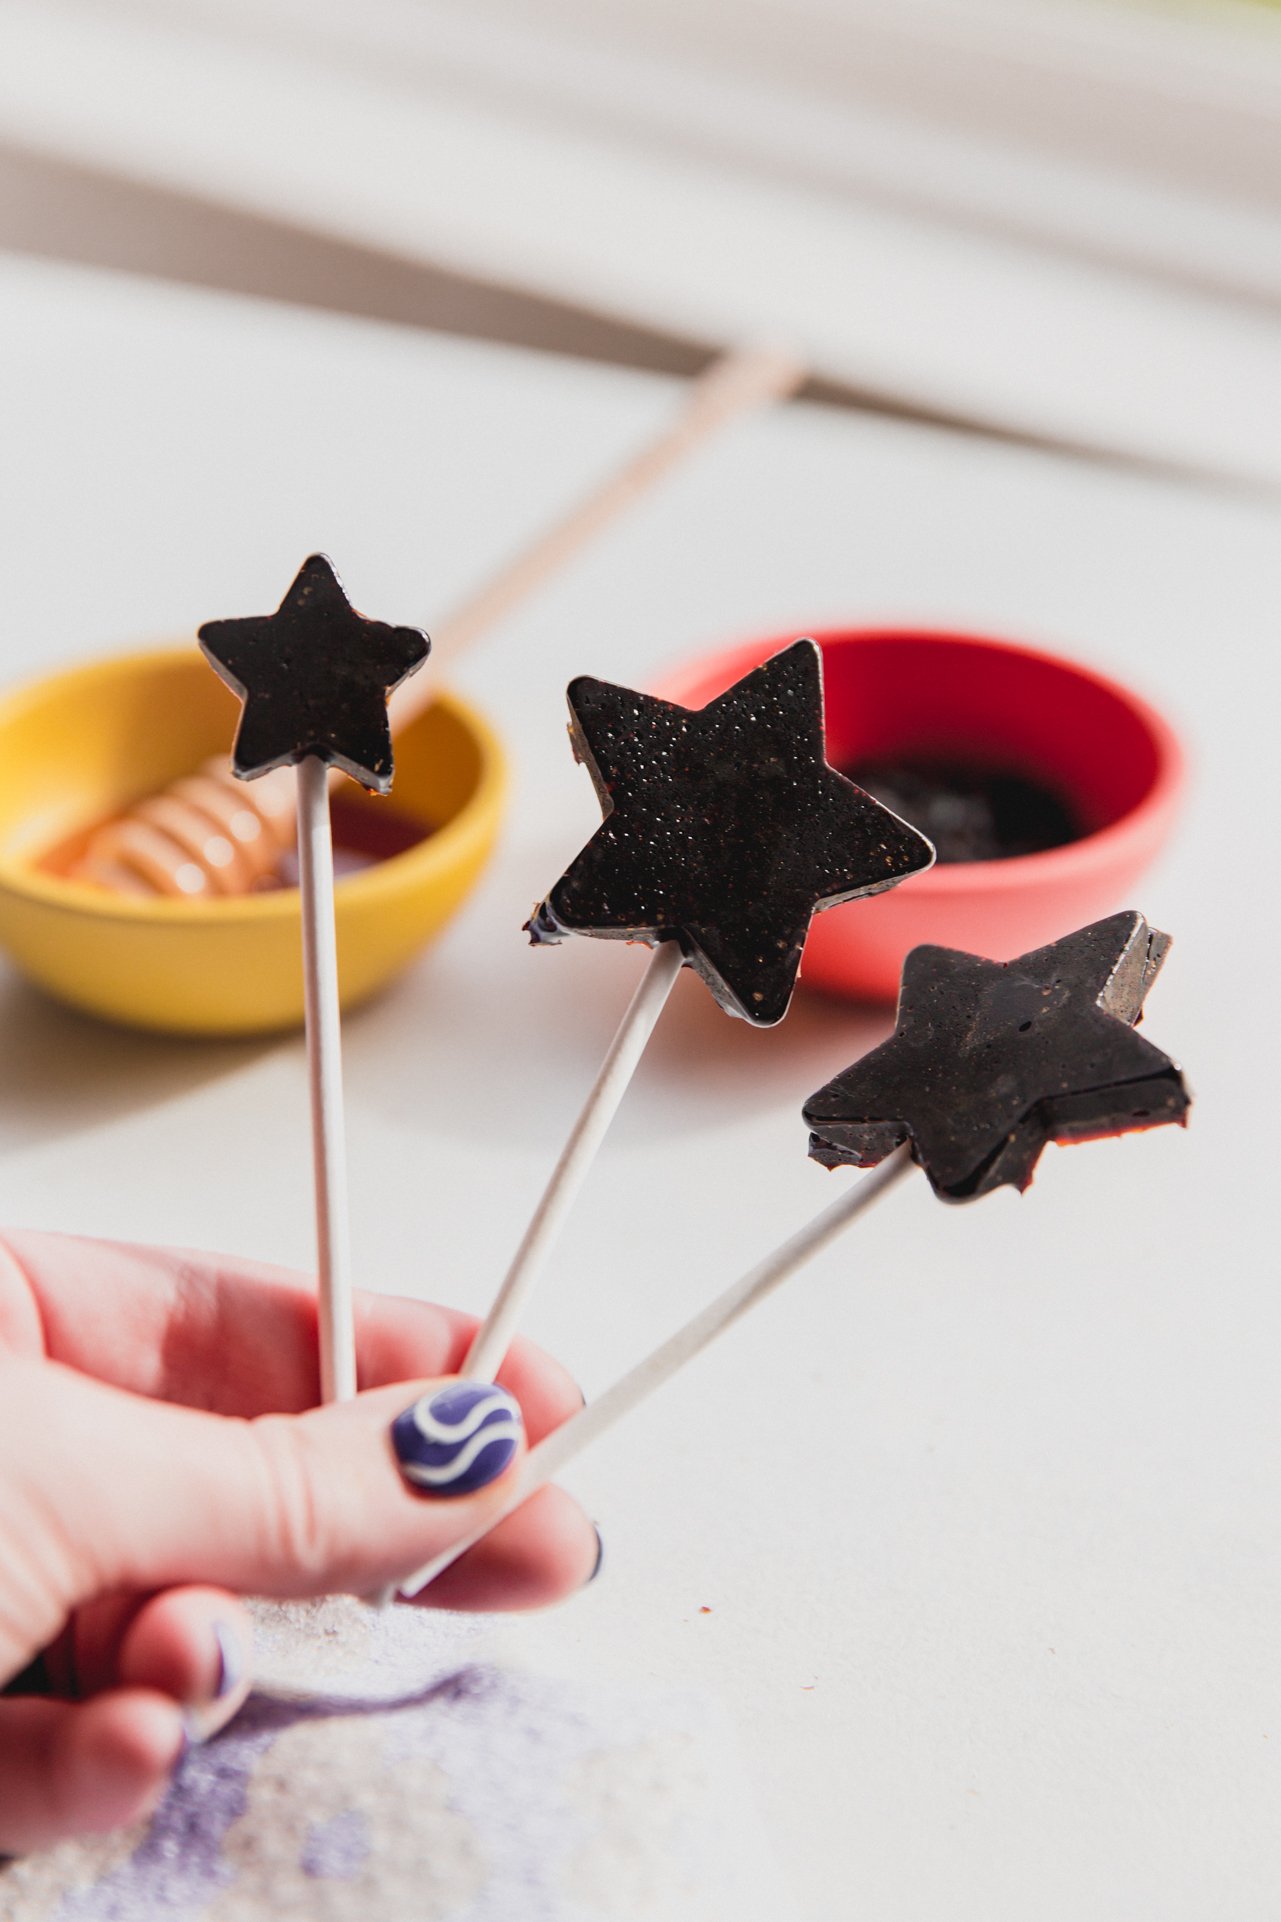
[{"x": 736, "y": 384}]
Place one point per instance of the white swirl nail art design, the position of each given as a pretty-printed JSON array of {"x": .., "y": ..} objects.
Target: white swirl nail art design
[{"x": 458, "y": 1439}]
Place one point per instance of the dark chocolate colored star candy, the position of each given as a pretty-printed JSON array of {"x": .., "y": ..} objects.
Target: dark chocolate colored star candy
[
  {"x": 991, "y": 1060},
  {"x": 725, "y": 829},
  {"x": 314, "y": 677}
]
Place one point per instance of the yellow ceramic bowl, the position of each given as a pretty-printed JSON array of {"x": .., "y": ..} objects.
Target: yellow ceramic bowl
[{"x": 81, "y": 746}]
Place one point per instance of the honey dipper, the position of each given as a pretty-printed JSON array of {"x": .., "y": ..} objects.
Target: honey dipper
[
  {"x": 205, "y": 835},
  {"x": 208, "y": 835}
]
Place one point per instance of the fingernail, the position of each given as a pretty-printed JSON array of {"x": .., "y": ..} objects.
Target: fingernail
[
  {"x": 231, "y": 1661},
  {"x": 200, "y": 1720},
  {"x": 600, "y": 1557},
  {"x": 458, "y": 1439}
]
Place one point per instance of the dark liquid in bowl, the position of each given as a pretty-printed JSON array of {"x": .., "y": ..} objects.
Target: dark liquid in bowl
[
  {"x": 971, "y": 813},
  {"x": 365, "y": 832}
]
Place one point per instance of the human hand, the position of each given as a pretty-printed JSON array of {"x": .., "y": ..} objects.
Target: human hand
[{"x": 160, "y": 1457}]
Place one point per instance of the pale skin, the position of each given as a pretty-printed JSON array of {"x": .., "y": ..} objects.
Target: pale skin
[{"x": 161, "y": 1457}]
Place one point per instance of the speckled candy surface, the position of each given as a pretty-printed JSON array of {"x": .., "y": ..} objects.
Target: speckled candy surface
[
  {"x": 314, "y": 678},
  {"x": 725, "y": 829},
  {"x": 989, "y": 1061}
]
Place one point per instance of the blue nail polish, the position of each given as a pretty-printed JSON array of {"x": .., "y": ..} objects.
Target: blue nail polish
[
  {"x": 458, "y": 1439},
  {"x": 231, "y": 1661}
]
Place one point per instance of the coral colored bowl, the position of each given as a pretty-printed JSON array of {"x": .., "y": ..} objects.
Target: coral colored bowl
[
  {"x": 892, "y": 692},
  {"x": 82, "y": 745}
]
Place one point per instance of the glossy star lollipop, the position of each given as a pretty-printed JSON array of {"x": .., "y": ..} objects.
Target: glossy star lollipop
[
  {"x": 989, "y": 1061},
  {"x": 725, "y": 831},
  {"x": 314, "y": 678}
]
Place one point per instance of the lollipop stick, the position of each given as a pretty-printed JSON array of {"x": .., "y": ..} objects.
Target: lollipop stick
[
  {"x": 493, "y": 1337},
  {"x": 556, "y": 1450},
  {"x": 324, "y": 1073}
]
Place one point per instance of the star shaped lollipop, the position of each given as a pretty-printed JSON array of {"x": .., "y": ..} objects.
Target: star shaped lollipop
[
  {"x": 725, "y": 830},
  {"x": 314, "y": 677},
  {"x": 991, "y": 1060}
]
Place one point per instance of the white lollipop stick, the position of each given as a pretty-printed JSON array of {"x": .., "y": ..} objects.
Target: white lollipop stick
[
  {"x": 493, "y": 1338},
  {"x": 556, "y": 1450},
  {"x": 324, "y": 1073}
]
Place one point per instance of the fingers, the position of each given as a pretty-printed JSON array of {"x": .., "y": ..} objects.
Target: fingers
[
  {"x": 234, "y": 1337},
  {"x": 537, "y": 1556},
  {"x": 176, "y": 1667},
  {"x": 193, "y": 1644},
  {"x": 123, "y": 1494},
  {"x": 74, "y": 1768}
]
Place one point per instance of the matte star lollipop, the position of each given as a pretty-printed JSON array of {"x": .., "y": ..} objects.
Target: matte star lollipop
[
  {"x": 991, "y": 1060},
  {"x": 314, "y": 678},
  {"x": 725, "y": 830}
]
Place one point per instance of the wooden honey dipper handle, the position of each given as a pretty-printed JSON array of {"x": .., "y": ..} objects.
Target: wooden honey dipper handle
[
  {"x": 736, "y": 383},
  {"x": 206, "y": 835},
  {"x": 210, "y": 835}
]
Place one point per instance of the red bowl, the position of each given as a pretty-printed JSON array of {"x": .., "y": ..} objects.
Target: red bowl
[{"x": 890, "y": 693}]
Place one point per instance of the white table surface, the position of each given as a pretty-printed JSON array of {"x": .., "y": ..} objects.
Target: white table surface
[
  {"x": 984, "y": 1506},
  {"x": 1088, "y": 302}
]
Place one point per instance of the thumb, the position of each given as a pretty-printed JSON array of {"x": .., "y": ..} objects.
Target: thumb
[{"x": 108, "y": 1490}]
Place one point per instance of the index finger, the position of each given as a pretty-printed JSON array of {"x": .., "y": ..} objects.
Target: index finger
[{"x": 231, "y": 1336}]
